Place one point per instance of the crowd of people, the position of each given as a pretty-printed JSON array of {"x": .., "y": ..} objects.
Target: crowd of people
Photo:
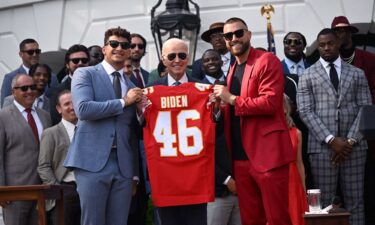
[{"x": 236, "y": 139}]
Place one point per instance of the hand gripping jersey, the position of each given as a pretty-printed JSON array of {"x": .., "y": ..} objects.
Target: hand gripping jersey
[{"x": 179, "y": 139}]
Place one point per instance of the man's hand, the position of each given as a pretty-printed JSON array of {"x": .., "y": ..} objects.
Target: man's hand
[
  {"x": 342, "y": 149},
  {"x": 212, "y": 99},
  {"x": 223, "y": 93},
  {"x": 133, "y": 95},
  {"x": 232, "y": 186}
]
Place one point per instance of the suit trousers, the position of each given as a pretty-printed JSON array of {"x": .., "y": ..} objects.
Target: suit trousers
[
  {"x": 350, "y": 174},
  {"x": 224, "y": 211},
  {"x": 184, "y": 214},
  {"x": 104, "y": 195},
  {"x": 21, "y": 213},
  {"x": 262, "y": 196}
]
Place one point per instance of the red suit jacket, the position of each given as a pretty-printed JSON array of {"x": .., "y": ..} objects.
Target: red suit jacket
[
  {"x": 366, "y": 61},
  {"x": 264, "y": 132}
]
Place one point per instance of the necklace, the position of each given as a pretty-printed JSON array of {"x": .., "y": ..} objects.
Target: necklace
[{"x": 350, "y": 58}]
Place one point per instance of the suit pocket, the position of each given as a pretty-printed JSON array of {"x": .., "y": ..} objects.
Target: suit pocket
[{"x": 273, "y": 127}]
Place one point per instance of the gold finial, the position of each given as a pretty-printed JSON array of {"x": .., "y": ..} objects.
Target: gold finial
[{"x": 267, "y": 9}]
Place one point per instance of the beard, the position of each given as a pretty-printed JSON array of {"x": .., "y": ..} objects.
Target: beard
[{"x": 244, "y": 48}]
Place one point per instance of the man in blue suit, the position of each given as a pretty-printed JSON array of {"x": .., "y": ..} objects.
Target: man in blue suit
[
  {"x": 102, "y": 152},
  {"x": 29, "y": 54}
]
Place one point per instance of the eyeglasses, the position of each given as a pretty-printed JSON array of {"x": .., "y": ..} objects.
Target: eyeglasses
[
  {"x": 76, "y": 60},
  {"x": 115, "y": 44},
  {"x": 292, "y": 41},
  {"x": 26, "y": 87},
  {"x": 172, "y": 56},
  {"x": 32, "y": 51},
  {"x": 140, "y": 46},
  {"x": 239, "y": 34}
]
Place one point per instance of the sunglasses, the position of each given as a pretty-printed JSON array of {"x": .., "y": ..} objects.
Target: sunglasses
[
  {"x": 26, "y": 87},
  {"x": 115, "y": 44},
  {"x": 294, "y": 41},
  {"x": 76, "y": 60},
  {"x": 140, "y": 46},
  {"x": 128, "y": 66},
  {"x": 172, "y": 56},
  {"x": 239, "y": 34},
  {"x": 32, "y": 51}
]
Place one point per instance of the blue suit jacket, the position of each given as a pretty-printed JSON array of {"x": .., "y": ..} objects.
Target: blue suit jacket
[
  {"x": 145, "y": 75},
  {"x": 6, "y": 87},
  {"x": 101, "y": 116}
]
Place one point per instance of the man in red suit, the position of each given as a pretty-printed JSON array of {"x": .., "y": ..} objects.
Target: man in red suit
[{"x": 256, "y": 129}]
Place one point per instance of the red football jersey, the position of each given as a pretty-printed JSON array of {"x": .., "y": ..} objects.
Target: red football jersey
[{"x": 179, "y": 139}]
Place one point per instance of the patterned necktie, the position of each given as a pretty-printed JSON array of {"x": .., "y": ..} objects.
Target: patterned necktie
[
  {"x": 333, "y": 76},
  {"x": 117, "y": 84},
  {"x": 31, "y": 121},
  {"x": 176, "y": 83},
  {"x": 139, "y": 79}
]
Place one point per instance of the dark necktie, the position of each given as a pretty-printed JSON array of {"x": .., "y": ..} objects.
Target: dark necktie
[
  {"x": 333, "y": 76},
  {"x": 139, "y": 79},
  {"x": 176, "y": 83},
  {"x": 31, "y": 121},
  {"x": 117, "y": 84},
  {"x": 217, "y": 81}
]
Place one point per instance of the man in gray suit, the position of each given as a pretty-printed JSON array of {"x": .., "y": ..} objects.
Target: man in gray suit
[
  {"x": 21, "y": 125},
  {"x": 330, "y": 96},
  {"x": 54, "y": 146},
  {"x": 101, "y": 151}
]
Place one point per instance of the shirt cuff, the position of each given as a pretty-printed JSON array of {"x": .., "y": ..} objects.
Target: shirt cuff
[
  {"x": 227, "y": 180},
  {"x": 328, "y": 138},
  {"x": 122, "y": 102}
]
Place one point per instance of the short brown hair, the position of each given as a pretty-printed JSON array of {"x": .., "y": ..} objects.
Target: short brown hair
[
  {"x": 120, "y": 32},
  {"x": 236, "y": 19}
]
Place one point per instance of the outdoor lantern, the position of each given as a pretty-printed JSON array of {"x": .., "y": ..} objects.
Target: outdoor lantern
[{"x": 176, "y": 21}]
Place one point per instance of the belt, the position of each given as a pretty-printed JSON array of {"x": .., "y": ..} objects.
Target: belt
[{"x": 72, "y": 183}]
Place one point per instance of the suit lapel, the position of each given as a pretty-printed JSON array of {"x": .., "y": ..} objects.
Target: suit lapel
[
  {"x": 105, "y": 80},
  {"x": 18, "y": 117},
  {"x": 345, "y": 80},
  {"x": 63, "y": 133},
  {"x": 325, "y": 81}
]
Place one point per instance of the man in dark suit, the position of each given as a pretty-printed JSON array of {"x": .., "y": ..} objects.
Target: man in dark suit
[
  {"x": 21, "y": 125},
  {"x": 54, "y": 146},
  {"x": 255, "y": 128},
  {"x": 214, "y": 36},
  {"x": 77, "y": 56},
  {"x": 224, "y": 210},
  {"x": 138, "y": 50},
  {"x": 29, "y": 53},
  {"x": 101, "y": 153},
  {"x": 330, "y": 96}
]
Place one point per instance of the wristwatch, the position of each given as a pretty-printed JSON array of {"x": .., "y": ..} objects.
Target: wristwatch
[{"x": 352, "y": 141}]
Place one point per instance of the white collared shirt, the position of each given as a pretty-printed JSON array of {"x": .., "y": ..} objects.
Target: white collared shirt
[
  {"x": 70, "y": 129},
  {"x": 109, "y": 70},
  {"x": 38, "y": 123},
  {"x": 26, "y": 69},
  {"x": 327, "y": 67},
  {"x": 291, "y": 66},
  {"x": 182, "y": 80}
]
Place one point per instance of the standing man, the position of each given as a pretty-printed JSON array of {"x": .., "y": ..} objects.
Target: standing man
[
  {"x": 96, "y": 55},
  {"x": 224, "y": 210},
  {"x": 77, "y": 56},
  {"x": 29, "y": 54},
  {"x": 214, "y": 36},
  {"x": 256, "y": 130},
  {"x": 101, "y": 153},
  {"x": 330, "y": 96},
  {"x": 179, "y": 206},
  {"x": 138, "y": 50},
  {"x": 54, "y": 146},
  {"x": 21, "y": 125}
]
